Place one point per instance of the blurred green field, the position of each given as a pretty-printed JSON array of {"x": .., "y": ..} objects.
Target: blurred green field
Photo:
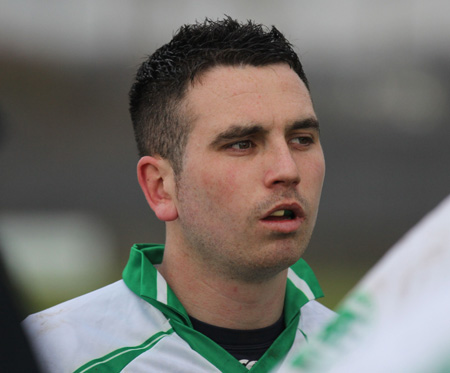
[
  {"x": 30, "y": 301},
  {"x": 337, "y": 280}
]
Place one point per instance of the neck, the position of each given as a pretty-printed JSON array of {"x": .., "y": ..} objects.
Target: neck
[{"x": 219, "y": 301}]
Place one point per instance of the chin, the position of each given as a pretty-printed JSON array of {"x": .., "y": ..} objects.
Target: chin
[{"x": 267, "y": 267}]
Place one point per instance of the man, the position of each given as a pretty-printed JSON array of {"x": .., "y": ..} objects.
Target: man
[{"x": 231, "y": 160}]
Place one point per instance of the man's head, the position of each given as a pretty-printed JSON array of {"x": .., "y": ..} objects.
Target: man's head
[
  {"x": 239, "y": 171},
  {"x": 161, "y": 125}
]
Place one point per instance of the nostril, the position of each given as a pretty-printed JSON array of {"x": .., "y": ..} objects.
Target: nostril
[
  {"x": 282, "y": 178},
  {"x": 286, "y": 182}
]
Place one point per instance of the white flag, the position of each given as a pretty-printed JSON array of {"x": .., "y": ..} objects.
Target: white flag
[{"x": 397, "y": 319}]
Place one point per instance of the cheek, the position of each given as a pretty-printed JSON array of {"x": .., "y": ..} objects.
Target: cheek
[
  {"x": 318, "y": 165},
  {"x": 314, "y": 175},
  {"x": 319, "y": 170},
  {"x": 221, "y": 186}
]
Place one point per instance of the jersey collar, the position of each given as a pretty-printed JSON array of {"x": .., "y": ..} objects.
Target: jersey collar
[{"x": 141, "y": 276}]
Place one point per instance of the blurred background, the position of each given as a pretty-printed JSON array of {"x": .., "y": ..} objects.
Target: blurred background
[{"x": 70, "y": 205}]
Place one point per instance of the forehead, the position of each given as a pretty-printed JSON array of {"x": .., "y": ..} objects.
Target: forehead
[{"x": 223, "y": 96}]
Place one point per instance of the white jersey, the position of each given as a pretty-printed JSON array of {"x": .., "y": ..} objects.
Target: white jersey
[{"x": 138, "y": 325}]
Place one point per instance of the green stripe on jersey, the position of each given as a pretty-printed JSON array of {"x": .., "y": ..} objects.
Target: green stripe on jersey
[
  {"x": 225, "y": 362},
  {"x": 142, "y": 278},
  {"x": 118, "y": 359}
]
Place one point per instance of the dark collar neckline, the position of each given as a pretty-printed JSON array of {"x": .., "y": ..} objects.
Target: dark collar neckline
[{"x": 237, "y": 338}]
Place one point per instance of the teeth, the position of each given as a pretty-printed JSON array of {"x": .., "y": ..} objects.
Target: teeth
[{"x": 278, "y": 213}]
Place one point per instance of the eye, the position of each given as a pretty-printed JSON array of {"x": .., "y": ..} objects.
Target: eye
[
  {"x": 302, "y": 140},
  {"x": 241, "y": 145}
]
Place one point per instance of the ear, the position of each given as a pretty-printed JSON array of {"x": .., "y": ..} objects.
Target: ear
[{"x": 157, "y": 181}]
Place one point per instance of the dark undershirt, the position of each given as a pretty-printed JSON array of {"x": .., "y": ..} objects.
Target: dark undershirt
[{"x": 245, "y": 345}]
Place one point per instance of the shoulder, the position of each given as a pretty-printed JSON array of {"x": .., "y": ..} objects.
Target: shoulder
[
  {"x": 71, "y": 333},
  {"x": 86, "y": 309},
  {"x": 313, "y": 315}
]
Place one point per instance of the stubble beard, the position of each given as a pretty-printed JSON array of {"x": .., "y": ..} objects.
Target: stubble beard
[
  {"x": 238, "y": 263},
  {"x": 232, "y": 259}
]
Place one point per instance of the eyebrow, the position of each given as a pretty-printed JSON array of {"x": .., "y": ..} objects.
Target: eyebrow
[
  {"x": 310, "y": 123},
  {"x": 243, "y": 131},
  {"x": 239, "y": 132}
]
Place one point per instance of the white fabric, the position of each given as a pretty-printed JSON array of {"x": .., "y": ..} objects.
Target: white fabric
[
  {"x": 88, "y": 327},
  {"x": 72, "y": 333},
  {"x": 397, "y": 317}
]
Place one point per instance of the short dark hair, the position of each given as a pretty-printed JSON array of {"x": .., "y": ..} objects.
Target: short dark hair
[{"x": 160, "y": 126}]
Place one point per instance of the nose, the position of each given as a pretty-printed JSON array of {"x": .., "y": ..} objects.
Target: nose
[{"x": 282, "y": 169}]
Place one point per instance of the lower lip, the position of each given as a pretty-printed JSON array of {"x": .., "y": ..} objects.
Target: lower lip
[{"x": 283, "y": 226}]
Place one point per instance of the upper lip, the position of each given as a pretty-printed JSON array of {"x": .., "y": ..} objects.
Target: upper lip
[{"x": 294, "y": 207}]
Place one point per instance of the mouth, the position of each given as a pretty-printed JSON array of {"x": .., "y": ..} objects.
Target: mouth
[
  {"x": 285, "y": 218},
  {"x": 281, "y": 215},
  {"x": 284, "y": 212}
]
